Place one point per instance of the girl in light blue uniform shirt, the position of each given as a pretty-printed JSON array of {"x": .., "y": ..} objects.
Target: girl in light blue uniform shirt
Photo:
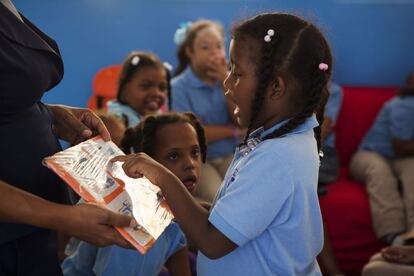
[
  {"x": 143, "y": 87},
  {"x": 265, "y": 219},
  {"x": 198, "y": 87}
]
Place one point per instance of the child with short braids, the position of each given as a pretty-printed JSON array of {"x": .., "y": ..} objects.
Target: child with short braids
[
  {"x": 265, "y": 219},
  {"x": 177, "y": 141}
]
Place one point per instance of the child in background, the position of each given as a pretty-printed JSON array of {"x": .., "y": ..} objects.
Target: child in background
[
  {"x": 177, "y": 141},
  {"x": 144, "y": 85},
  {"x": 265, "y": 219},
  {"x": 198, "y": 87},
  {"x": 328, "y": 170},
  {"x": 385, "y": 157}
]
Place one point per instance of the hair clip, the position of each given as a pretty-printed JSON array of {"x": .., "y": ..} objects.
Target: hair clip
[
  {"x": 135, "y": 60},
  {"x": 168, "y": 66},
  {"x": 179, "y": 34},
  {"x": 323, "y": 66},
  {"x": 268, "y": 36}
]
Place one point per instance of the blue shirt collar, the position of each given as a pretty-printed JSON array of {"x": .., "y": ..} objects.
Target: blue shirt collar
[
  {"x": 193, "y": 80},
  {"x": 310, "y": 123},
  {"x": 256, "y": 136}
]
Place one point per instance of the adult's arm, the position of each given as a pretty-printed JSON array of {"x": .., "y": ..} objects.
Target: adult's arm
[{"x": 84, "y": 221}]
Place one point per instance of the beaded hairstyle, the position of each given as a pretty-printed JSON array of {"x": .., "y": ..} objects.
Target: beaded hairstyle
[
  {"x": 295, "y": 50},
  {"x": 142, "y": 137},
  {"x": 133, "y": 63}
]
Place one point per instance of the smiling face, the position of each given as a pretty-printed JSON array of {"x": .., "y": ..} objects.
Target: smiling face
[
  {"x": 147, "y": 90},
  {"x": 177, "y": 148},
  {"x": 240, "y": 83}
]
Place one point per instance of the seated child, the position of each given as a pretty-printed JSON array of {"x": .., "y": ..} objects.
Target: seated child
[
  {"x": 198, "y": 87},
  {"x": 144, "y": 85},
  {"x": 385, "y": 158},
  {"x": 177, "y": 141},
  {"x": 328, "y": 171}
]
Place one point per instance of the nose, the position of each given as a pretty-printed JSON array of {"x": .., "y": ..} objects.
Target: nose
[
  {"x": 158, "y": 92},
  {"x": 189, "y": 163},
  {"x": 226, "y": 83}
]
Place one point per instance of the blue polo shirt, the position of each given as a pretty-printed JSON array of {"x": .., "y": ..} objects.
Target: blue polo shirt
[
  {"x": 190, "y": 94},
  {"x": 268, "y": 206},
  {"x": 394, "y": 121},
  {"x": 120, "y": 109},
  {"x": 332, "y": 108},
  {"x": 115, "y": 260}
]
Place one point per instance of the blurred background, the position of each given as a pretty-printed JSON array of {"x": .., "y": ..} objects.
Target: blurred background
[{"x": 372, "y": 40}]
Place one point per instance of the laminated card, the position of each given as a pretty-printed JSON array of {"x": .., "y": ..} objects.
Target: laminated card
[{"x": 87, "y": 169}]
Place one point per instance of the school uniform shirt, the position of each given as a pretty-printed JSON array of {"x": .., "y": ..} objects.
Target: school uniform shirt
[
  {"x": 190, "y": 94},
  {"x": 394, "y": 121},
  {"x": 115, "y": 260},
  {"x": 332, "y": 108},
  {"x": 30, "y": 65},
  {"x": 120, "y": 109},
  {"x": 268, "y": 206}
]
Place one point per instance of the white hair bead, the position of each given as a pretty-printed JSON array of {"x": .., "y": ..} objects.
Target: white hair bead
[{"x": 135, "y": 60}]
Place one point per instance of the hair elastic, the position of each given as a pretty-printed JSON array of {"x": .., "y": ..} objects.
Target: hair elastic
[
  {"x": 269, "y": 34},
  {"x": 323, "y": 66},
  {"x": 135, "y": 60},
  {"x": 168, "y": 66},
  {"x": 179, "y": 34}
]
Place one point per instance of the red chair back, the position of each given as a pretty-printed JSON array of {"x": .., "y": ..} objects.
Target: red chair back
[{"x": 104, "y": 87}]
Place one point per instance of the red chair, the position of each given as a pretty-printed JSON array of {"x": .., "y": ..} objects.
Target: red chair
[
  {"x": 104, "y": 87},
  {"x": 345, "y": 208}
]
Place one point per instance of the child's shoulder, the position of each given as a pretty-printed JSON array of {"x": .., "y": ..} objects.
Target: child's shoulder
[{"x": 401, "y": 104}]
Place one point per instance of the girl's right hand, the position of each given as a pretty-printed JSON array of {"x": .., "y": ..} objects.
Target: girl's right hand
[{"x": 139, "y": 164}]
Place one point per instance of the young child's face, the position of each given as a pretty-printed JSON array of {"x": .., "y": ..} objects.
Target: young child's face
[
  {"x": 208, "y": 49},
  {"x": 177, "y": 148},
  {"x": 147, "y": 90},
  {"x": 241, "y": 83}
]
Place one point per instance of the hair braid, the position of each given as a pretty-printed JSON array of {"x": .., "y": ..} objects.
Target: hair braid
[
  {"x": 200, "y": 134},
  {"x": 142, "y": 137},
  {"x": 315, "y": 104},
  {"x": 149, "y": 130},
  {"x": 265, "y": 73},
  {"x": 131, "y": 138}
]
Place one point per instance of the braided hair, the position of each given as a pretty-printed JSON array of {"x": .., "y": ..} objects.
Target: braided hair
[
  {"x": 188, "y": 42},
  {"x": 142, "y": 137},
  {"x": 294, "y": 52},
  {"x": 129, "y": 69}
]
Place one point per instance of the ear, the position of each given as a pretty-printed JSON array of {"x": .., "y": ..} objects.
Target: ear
[
  {"x": 276, "y": 89},
  {"x": 189, "y": 52}
]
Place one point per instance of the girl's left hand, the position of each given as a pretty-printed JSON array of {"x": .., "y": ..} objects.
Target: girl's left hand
[
  {"x": 139, "y": 164},
  {"x": 75, "y": 125}
]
